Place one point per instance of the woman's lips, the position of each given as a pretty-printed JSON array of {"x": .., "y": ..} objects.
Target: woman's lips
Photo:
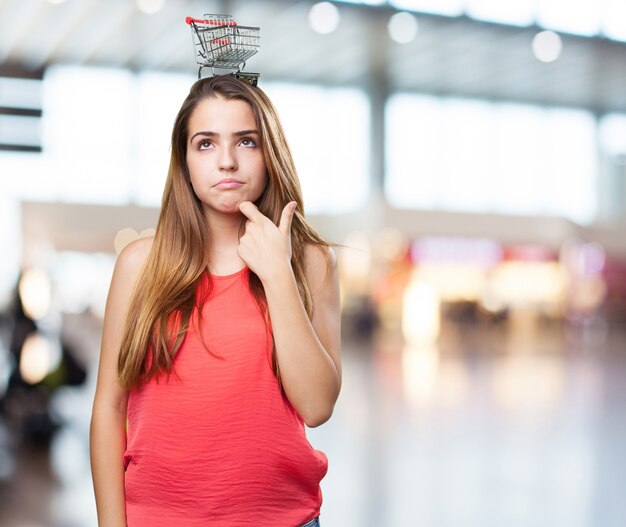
[{"x": 225, "y": 184}]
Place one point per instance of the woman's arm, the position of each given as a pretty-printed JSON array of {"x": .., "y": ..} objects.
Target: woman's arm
[
  {"x": 108, "y": 420},
  {"x": 308, "y": 351}
]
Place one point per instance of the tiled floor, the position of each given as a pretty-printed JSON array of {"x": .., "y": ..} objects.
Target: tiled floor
[{"x": 489, "y": 428}]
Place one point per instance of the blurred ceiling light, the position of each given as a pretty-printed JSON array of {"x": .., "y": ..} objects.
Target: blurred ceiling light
[
  {"x": 402, "y": 27},
  {"x": 35, "y": 293},
  {"x": 56, "y": 2},
  {"x": 547, "y": 46},
  {"x": 150, "y": 6},
  {"x": 35, "y": 359},
  {"x": 324, "y": 17}
]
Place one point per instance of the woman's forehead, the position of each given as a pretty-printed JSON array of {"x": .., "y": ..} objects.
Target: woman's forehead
[{"x": 218, "y": 114}]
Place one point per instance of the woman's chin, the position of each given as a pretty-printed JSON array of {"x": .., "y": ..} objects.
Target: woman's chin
[{"x": 230, "y": 206}]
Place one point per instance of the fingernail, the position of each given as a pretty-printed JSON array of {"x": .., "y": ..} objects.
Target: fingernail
[{"x": 294, "y": 205}]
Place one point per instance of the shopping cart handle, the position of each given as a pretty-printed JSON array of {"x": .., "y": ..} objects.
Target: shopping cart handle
[{"x": 189, "y": 20}]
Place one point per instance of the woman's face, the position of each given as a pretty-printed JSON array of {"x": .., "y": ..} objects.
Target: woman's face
[{"x": 224, "y": 156}]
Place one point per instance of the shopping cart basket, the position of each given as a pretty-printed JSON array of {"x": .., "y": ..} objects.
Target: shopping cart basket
[{"x": 220, "y": 43}]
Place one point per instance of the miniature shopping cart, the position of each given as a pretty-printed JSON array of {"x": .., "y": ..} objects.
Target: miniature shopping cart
[{"x": 220, "y": 43}]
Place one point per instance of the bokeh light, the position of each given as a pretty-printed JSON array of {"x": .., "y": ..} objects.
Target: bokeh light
[
  {"x": 150, "y": 6},
  {"x": 35, "y": 293},
  {"x": 38, "y": 358},
  {"x": 547, "y": 46},
  {"x": 324, "y": 17},
  {"x": 402, "y": 27}
]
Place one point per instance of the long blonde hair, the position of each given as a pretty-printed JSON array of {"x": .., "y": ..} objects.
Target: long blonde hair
[{"x": 164, "y": 295}]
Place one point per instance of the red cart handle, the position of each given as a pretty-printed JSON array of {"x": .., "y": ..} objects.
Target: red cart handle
[{"x": 189, "y": 20}]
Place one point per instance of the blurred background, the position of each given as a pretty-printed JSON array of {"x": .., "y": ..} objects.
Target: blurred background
[{"x": 469, "y": 155}]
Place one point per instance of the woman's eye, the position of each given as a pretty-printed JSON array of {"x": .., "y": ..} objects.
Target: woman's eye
[
  {"x": 203, "y": 145},
  {"x": 246, "y": 141}
]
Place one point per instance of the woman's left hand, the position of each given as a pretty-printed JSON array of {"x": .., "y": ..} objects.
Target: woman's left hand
[{"x": 264, "y": 247}]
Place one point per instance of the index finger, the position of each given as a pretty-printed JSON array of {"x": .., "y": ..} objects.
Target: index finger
[{"x": 250, "y": 211}]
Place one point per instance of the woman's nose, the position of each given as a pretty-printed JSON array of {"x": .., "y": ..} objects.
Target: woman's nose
[{"x": 228, "y": 160}]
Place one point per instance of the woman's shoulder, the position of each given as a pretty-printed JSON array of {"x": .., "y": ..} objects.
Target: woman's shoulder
[
  {"x": 133, "y": 256},
  {"x": 319, "y": 255},
  {"x": 320, "y": 262}
]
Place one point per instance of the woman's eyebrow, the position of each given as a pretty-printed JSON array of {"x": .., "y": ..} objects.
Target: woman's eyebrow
[
  {"x": 246, "y": 132},
  {"x": 211, "y": 134}
]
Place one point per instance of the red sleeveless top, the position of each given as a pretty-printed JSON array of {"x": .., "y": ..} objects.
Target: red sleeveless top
[{"x": 220, "y": 446}]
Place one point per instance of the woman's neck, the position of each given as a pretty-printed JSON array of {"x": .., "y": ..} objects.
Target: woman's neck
[{"x": 223, "y": 243}]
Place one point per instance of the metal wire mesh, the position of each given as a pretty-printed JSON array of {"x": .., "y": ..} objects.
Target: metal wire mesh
[{"x": 219, "y": 43}]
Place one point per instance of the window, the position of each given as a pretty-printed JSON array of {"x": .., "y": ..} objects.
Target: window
[
  {"x": 438, "y": 7},
  {"x": 475, "y": 156},
  {"x": 328, "y": 132},
  {"x": 160, "y": 97},
  {"x": 514, "y": 12},
  {"x": 88, "y": 135},
  {"x": 581, "y": 17}
]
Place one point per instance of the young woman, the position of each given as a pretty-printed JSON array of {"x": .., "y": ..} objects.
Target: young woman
[{"x": 221, "y": 335}]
